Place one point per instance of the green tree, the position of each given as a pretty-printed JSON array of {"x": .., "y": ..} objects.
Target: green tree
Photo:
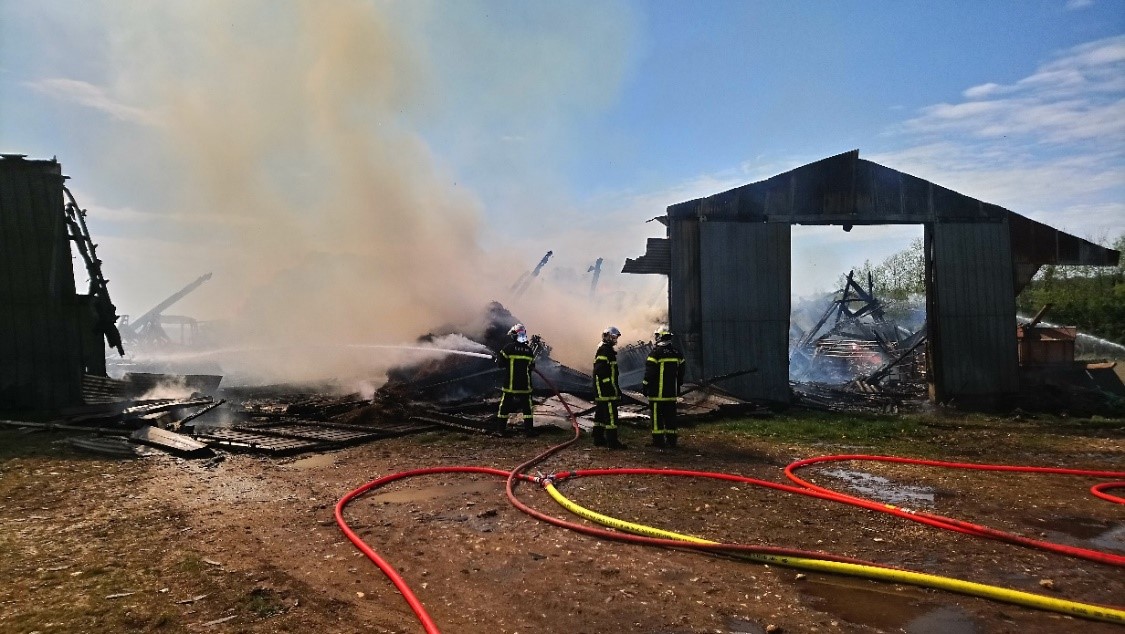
[
  {"x": 900, "y": 276},
  {"x": 1091, "y": 298}
]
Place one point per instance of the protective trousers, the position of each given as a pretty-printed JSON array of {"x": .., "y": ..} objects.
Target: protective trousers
[
  {"x": 605, "y": 425},
  {"x": 663, "y": 423},
  {"x": 512, "y": 403}
]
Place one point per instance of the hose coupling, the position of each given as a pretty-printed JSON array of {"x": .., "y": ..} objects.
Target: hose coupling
[{"x": 543, "y": 480}]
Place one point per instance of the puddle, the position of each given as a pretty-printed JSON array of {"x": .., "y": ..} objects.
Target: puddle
[
  {"x": 1100, "y": 534},
  {"x": 882, "y": 489},
  {"x": 738, "y": 626},
  {"x": 944, "y": 620},
  {"x": 882, "y": 606},
  {"x": 488, "y": 487},
  {"x": 1113, "y": 539}
]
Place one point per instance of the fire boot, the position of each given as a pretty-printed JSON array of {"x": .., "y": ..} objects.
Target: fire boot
[
  {"x": 529, "y": 429},
  {"x": 658, "y": 440},
  {"x": 611, "y": 440},
  {"x": 671, "y": 439},
  {"x": 599, "y": 435},
  {"x": 499, "y": 426}
]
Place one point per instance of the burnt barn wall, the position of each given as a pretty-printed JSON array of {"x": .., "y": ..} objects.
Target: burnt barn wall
[
  {"x": 44, "y": 324},
  {"x": 744, "y": 306},
  {"x": 728, "y": 261},
  {"x": 972, "y": 305}
]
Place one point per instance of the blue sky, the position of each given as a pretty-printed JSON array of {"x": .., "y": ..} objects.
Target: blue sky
[{"x": 273, "y": 141}]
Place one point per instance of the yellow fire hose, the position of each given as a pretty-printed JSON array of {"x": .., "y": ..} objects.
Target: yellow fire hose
[{"x": 1017, "y": 597}]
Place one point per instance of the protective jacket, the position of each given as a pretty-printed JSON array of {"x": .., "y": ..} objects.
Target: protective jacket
[
  {"x": 606, "y": 386},
  {"x": 664, "y": 372},
  {"x": 518, "y": 359}
]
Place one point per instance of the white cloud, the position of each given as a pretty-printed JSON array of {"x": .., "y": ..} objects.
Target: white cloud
[
  {"x": 984, "y": 90},
  {"x": 1079, "y": 96},
  {"x": 1073, "y": 5},
  {"x": 1050, "y": 146},
  {"x": 91, "y": 96}
]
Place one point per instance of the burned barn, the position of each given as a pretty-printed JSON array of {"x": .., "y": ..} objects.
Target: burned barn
[
  {"x": 728, "y": 260},
  {"x": 51, "y": 336}
]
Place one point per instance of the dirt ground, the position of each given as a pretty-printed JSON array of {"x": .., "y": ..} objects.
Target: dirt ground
[{"x": 249, "y": 543}]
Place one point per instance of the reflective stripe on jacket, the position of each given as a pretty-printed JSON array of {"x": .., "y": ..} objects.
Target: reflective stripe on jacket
[
  {"x": 518, "y": 359},
  {"x": 664, "y": 372},
  {"x": 606, "y": 386}
]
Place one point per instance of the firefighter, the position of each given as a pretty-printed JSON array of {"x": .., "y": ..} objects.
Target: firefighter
[
  {"x": 518, "y": 360},
  {"x": 607, "y": 391},
  {"x": 664, "y": 372}
]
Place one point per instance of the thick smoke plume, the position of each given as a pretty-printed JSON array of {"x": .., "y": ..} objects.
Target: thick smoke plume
[{"x": 288, "y": 143}]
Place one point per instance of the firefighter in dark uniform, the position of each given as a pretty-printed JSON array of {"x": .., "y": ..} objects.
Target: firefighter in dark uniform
[
  {"x": 607, "y": 391},
  {"x": 664, "y": 372},
  {"x": 518, "y": 360}
]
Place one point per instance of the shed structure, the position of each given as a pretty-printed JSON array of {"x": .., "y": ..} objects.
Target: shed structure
[
  {"x": 728, "y": 260},
  {"x": 50, "y": 336}
]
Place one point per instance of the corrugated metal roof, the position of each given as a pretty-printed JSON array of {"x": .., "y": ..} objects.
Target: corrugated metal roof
[
  {"x": 657, "y": 259},
  {"x": 1037, "y": 243},
  {"x": 841, "y": 189}
]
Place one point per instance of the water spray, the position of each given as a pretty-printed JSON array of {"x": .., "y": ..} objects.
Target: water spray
[
  {"x": 481, "y": 355},
  {"x": 183, "y": 356}
]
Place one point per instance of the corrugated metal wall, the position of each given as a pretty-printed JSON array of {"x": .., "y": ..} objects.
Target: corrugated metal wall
[
  {"x": 41, "y": 344},
  {"x": 972, "y": 309},
  {"x": 744, "y": 286},
  {"x": 684, "y": 317},
  {"x": 730, "y": 270}
]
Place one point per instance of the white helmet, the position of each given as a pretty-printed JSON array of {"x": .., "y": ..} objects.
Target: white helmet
[
  {"x": 518, "y": 333},
  {"x": 661, "y": 334},
  {"x": 610, "y": 335}
]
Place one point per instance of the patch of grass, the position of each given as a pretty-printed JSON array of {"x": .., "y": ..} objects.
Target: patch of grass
[
  {"x": 191, "y": 564},
  {"x": 264, "y": 602},
  {"x": 827, "y": 427},
  {"x": 431, "y": 438}
]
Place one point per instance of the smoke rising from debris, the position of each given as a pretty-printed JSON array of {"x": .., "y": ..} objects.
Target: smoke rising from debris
[{"x": 288, "y": 142}]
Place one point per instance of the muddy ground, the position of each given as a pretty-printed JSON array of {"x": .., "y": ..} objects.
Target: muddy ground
[{"x": 249, "y": 544}]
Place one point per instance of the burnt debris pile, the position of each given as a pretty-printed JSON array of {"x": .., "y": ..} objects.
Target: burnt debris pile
[
  {"x": 860, "y": 352},
  {"x": 462, "y": 392},
  {"x": 448, "y": 377}
]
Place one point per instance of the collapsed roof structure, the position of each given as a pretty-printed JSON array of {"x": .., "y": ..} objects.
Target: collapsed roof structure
[
  {"x": 728, "y": 259},
  {"x": 855, "y": 339}
]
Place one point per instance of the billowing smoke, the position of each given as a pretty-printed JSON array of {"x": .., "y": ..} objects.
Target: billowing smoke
[{"x": 289, "y": 144}]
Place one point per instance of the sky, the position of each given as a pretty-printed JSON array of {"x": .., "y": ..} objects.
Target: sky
[{"x": 358, "y": 171}]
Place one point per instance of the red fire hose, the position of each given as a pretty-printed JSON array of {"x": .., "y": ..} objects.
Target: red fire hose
[
  {"x": 806, "y": 488},
  {"x": 962, "y": 526}
]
